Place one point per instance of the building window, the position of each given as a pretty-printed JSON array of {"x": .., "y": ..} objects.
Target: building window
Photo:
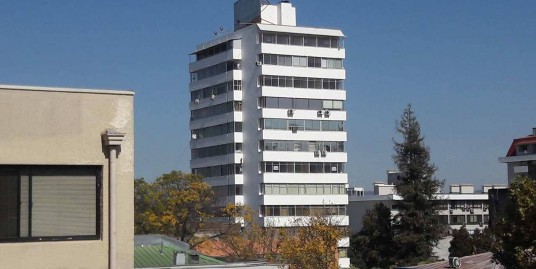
[
  {"x": 300, "y": 103},
  {"x": 302, "y": 167},
  {"x": 301, "y": 82},
  {"x": 442, "y": 219},
  {"x": 216, "y": 150},
  {"x": 441, "y": 205},
  {"x": 455, "y": 204},
  {"x": 214, "y": 50},
  {"x": 302, "y": 210},
  {"x": 305, "y": 146},
  {"x": 216, "y": 110},
  {"x": 213, "y": 91},
  {"x": 457, "y": 219},
  {"x": 474, "y": 219},
  {"x": 301, "y": 61},
  {"x": 303, "y": 40},
  {"x": 42, "y": 203},
  {"x": 218, "y": 170},
  {"x": 302, "y": 125},
  {"x": 214, "y": 70},
  {"x": 474, "y": 204},
  {"x": 302, "y": 189}
]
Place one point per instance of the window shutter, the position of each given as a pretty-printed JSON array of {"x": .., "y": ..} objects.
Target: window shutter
[{"x": 64, "y": 205}]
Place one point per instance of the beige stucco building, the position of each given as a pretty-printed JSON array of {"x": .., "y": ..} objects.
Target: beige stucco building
[{"x": 61, "y": 185}]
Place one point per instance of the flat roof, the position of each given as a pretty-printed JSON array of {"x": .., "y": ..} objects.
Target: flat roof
[
  {"x": 64, "y": 90},
  {"x": 299, "y": 30}
]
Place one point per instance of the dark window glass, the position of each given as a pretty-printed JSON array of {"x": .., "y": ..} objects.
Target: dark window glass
[
  {"x": 268, "y": 38},
  {"x": 283, "y": 39},
  {"x": 296, "y": 40},
  {"x": 285, "y": 102},
  {"x": 272, "y": 102},
  {"x": 301, "y": 103},
  {"x": 324, "y": 42},
  {"x": 309, "y": 41}
]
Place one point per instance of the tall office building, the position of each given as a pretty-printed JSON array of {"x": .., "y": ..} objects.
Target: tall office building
[{"x": 267, "y": 115}]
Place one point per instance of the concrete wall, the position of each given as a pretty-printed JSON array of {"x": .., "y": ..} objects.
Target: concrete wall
[{"x": 41, "y": 126}]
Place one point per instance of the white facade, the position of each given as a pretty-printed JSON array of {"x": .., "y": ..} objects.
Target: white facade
[
  {"x": 271, "y": 135},
  {"x": 462, "y": 206}
]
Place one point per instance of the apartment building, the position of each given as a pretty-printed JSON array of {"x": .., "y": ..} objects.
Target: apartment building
[
  {"x": 267, "y": 115},
  {"x": 521, "y": 157}
]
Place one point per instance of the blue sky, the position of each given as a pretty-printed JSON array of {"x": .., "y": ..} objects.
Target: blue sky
[{"x": 468, "y": 68}]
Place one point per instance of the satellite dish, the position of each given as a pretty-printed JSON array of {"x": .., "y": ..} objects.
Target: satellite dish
[{"x": 194, "y": 136}]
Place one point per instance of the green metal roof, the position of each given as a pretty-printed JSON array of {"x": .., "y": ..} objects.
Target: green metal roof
[{"x": 159, "y": 251}]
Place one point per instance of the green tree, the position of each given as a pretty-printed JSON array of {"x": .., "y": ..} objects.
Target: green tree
[
  {"x": 176, "y": 205},
  {"x": 417, "y": 232},
  {"x": 515, "y": 231},
  {"x": 461, "y": 244},
  {"x": 482, "y": 241},
  {"x": 373, "y": 246},
  {"x": 142, "y": 203}
]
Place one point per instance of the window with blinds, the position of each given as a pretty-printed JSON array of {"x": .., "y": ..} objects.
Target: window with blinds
[{"x": 40, "y": 203}]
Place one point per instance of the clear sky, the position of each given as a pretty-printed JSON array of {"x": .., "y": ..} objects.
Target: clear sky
[{"x": 468, "y": 68}]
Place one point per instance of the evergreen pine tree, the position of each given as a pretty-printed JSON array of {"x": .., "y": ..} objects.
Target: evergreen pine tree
[
  {"x": 482, "y": 240},
  {"x": 372, "y": 247},
  {"x": 461, "y": 244},
  {"x": 416, "y": 230}
]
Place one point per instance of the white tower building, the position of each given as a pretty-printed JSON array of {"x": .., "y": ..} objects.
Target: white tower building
[{"x": 267, "y": 115}]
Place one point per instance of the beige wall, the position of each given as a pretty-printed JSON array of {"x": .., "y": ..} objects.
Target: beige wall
[{"x": 64, "y": 126}]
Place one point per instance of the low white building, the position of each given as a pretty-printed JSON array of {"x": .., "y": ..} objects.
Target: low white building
[{"x": 461, "y": 206}]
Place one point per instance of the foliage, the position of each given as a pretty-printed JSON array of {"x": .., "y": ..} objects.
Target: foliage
[
  {"x": 312, "y": 243},
  {"x": 461, "y": 243},
  {"x": 142, "y": 190},
  {"x": 250, "y": 240},
  {"x": 176, "y": 205},
  {"x": 482, "y": 241},
  {"x": 373, "y": 246},
  {"x": 515, "y": 231},
  {"x": 416, "y": 228}
]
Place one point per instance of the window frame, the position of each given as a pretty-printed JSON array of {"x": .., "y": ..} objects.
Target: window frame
[{"x": 56, "y": 170}]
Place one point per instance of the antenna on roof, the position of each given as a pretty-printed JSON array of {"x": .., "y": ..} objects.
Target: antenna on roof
[{"x": 220, "y": 32}]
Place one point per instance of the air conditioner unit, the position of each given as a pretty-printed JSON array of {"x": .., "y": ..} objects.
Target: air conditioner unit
[
  {"x": 323, "y": 153},
  {"x": 454, "y": 262},
  {"x": 451, "y": 211},
  {"x": 259, "y": 63},
  {"x": 472, "y": 211},
  {"x": 319, "y": 113},
  {"x": 326, "y": 113},
  {"x": 290, "y": 112},
  {"x": 212, "y": 96},
  {"x": 196, "y": 101},
  {"x": 294, "y": 129}
]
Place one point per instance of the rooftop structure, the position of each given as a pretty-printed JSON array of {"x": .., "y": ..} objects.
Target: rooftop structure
[{"x": 521, "y": 157}]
